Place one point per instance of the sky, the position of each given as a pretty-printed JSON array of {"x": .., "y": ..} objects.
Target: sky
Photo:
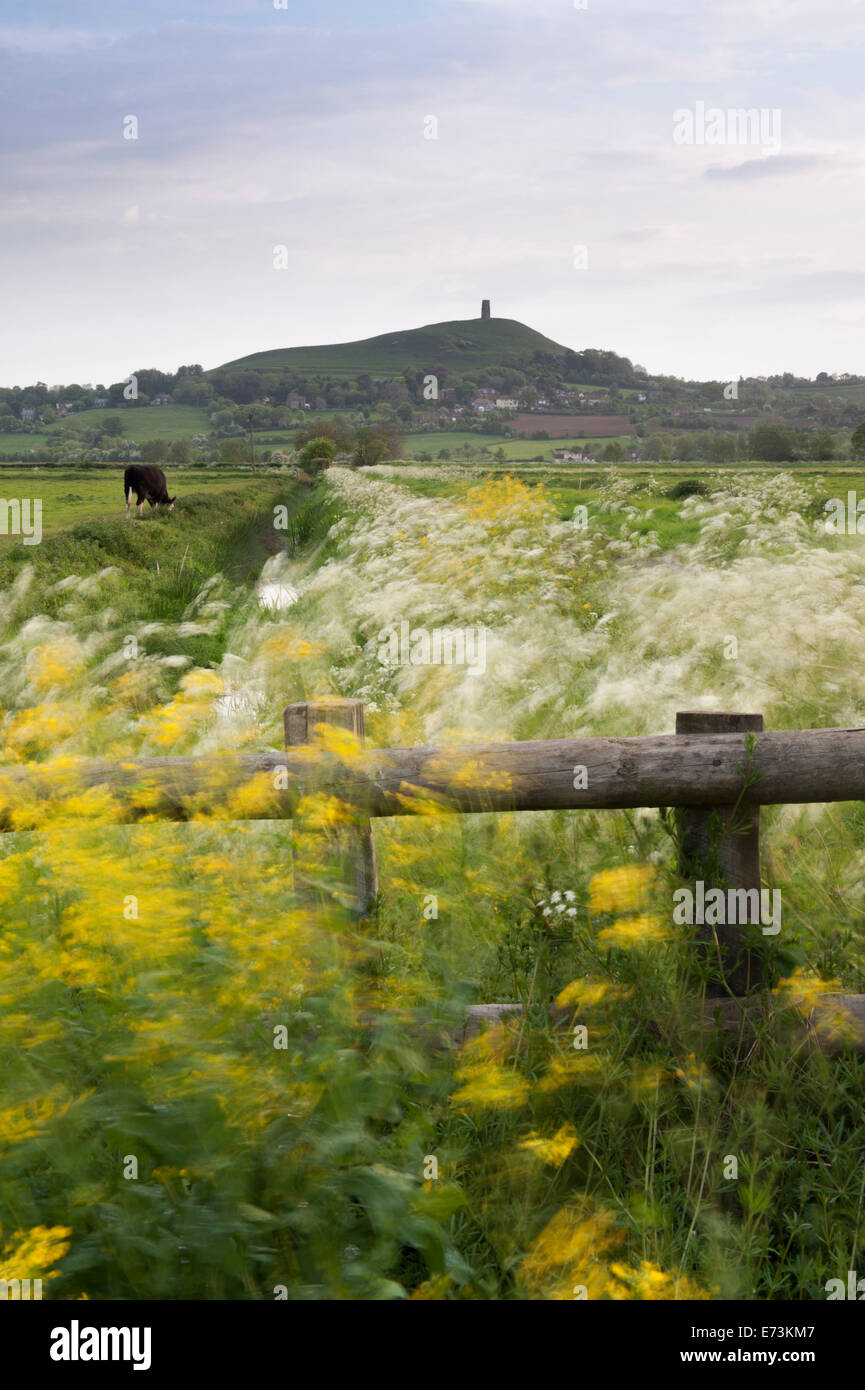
[{"x": 580, "y": 164}]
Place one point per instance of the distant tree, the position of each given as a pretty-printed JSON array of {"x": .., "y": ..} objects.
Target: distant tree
[
  {"x": 722, "y": 448},
  {"x": 656, "y": 448},
  {"x": 771, "y": 444},
  {"x": 613, "y": 452},
  {"x": 340, "y": 433},
  {"x": 191, "y": 390},
  {"x": 821, "y": 446},
  {"x": 685, "y": 448},
  {"x": 312, "y": 453},
  {"x": 182, "y": 453},
  {"x": 152, "y": 382},
  {"x": 857, "y": 442},
  {"x": 444, "y": 454},
  {"x": 499, "y": 455},
  {"x": 465, "y": 392},
  {"x": 234, "y": 451},
  {"x": 372, "y": 447},
  {"x": 112, "y": 425}
]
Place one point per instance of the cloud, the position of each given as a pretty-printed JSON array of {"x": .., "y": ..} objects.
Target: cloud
[
  {"x": 306, "y": 128},
  {"x": 771, "y": 166}
]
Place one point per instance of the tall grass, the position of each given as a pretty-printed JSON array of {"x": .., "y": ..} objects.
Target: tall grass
[{"x": 215, "y": 1088}]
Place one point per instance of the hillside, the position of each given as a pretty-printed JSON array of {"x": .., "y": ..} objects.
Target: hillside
[{"x": 463, "y": 345}]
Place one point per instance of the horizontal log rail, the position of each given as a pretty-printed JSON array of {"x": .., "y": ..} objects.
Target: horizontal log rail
[
  {"x": 715, "y": 772},
  {"x": 684, "y": 770}
]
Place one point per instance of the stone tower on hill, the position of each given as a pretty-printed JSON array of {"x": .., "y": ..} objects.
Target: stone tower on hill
[{"x": 485, "y": 309}]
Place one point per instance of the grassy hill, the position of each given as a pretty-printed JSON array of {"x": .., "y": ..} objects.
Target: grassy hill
[{"x": 464, "y": 345}]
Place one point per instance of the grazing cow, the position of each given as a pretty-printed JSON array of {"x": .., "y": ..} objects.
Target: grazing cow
[{"x": 148, "y": 484}]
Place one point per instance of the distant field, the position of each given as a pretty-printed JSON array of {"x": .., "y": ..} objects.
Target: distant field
[
  {"x": 69, "y": 495},
  {"x": 15, "y": 443},
  {"x": 167, "y": 422},
  {"x": 514, "y": 449},
  {"x": 561, "y": 426}
]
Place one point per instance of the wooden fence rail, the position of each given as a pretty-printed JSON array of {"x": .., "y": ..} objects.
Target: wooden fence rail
[
  {"x": 714, "y": 773},
  {"x": 704, "y": 769}
]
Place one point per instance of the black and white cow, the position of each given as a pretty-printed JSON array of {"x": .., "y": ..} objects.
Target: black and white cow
[{"x": 148, "y": 484}]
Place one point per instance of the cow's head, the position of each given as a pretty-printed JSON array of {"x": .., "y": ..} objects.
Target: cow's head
[{"x": 171, "y": 502}]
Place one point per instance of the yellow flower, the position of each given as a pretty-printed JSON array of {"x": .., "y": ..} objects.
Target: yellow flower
[
  {"x": 587, "y": 994},
  {"x": 570, "y": 1254},
  {"x": 578, "y": 1068},
  {"x": 801, "y": 990},
  {"x": 21, "y": 1122},
  {"x": 651, "y": 1283},
  {"x": 621, "y": 890},
  {"x": 490, "y": 1086},
  {"x": 553, "y": 1150},
  {"x": 627, "y": 932},
  {"x": 31, "y": 1253},
  {"x": 54, "y": 665}
]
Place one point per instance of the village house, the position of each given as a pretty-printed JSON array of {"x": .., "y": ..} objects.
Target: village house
[
  {"x": 162, "y": 398},
  {"x": 507, "y": 403},
  {"x": 296, "y": 402}
]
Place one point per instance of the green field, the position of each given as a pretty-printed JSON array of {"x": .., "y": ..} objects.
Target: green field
[
  {"x": 23, "y": 443},
  {"x": 524, "y": 449},
  {"x": 70, "y": 495},
  {"x": 168, "y": 422}
]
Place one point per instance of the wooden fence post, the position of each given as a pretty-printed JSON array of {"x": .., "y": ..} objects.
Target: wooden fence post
[
  {"x": 300, "y": 723},
  {"x": 720, "y": 845}
]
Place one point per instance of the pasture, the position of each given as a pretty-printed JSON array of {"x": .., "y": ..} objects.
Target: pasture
[
  {"x": 231, "y": 1089},
  {"x": 70, "y": 495},
  {"x": 167, "y": 422}
]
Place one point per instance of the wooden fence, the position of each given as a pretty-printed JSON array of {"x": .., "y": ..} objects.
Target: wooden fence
[{"x": 712, "y": 775}]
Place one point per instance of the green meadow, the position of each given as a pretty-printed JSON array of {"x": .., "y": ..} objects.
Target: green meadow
[{"x": 70, "y": 495}]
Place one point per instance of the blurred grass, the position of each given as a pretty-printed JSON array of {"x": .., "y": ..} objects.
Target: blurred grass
[{"x": 282, "y": 1076}]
